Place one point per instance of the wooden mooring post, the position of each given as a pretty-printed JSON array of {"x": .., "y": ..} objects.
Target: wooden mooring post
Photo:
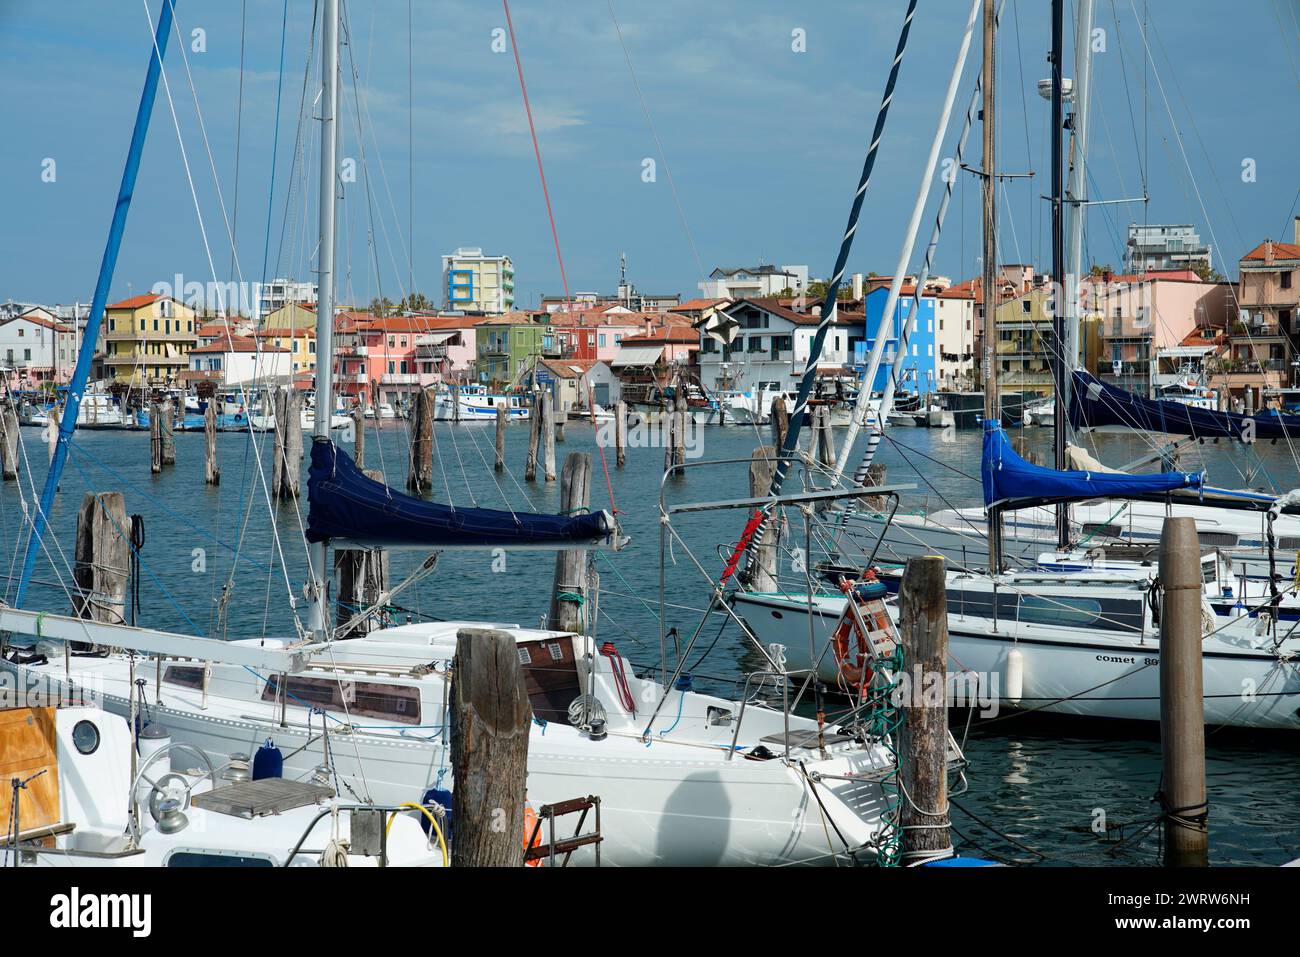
[
  {"x": 9, "y": 441},
  {"x": 1182, "y": 703},
  {"x": 103, "y": 558},
  {"x": 503, "y": 419},
  {"x": 363, "y": 579},
  {"x": 359, "y": 436},
  {"x": 155, "y": 438},
  {"x": 534, "y": 437},
  {"x": 211, "y": 470},
  {"x": 780, "y": 421},
  {"x": 286, "y": 471},
  {"x": 490, "y": 724},
  {"x": 620, "y": 434},
  {"x": 923, "y": 734},
  {"x": 569, "y": 591},
  {"x": 548, "y": 437},
  {"x": 762, "y": 465},
  {"x": 167, "y": 427},
  {"x": 420, "y": 478},
  {"x": 876, "y": 474}
]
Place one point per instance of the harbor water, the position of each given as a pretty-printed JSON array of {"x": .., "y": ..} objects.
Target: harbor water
[{"x": 224, "y": 561}]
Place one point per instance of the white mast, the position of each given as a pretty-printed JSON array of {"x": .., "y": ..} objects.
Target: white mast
[
  {"x": 318, "y": 590},
  {"x": 1076, "y": 191},
  {"x": 905, "y": 255}
]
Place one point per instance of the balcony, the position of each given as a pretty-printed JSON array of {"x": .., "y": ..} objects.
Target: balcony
[{"x": 399, "y": 378}]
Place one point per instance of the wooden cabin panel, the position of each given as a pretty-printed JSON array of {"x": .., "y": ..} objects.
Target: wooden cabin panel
[
  {"x": 550, "y": 676},
  {"x": 28, "y": 746}
]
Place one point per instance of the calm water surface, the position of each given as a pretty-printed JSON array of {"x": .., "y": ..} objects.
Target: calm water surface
[{"x": 1036, "y": 786}]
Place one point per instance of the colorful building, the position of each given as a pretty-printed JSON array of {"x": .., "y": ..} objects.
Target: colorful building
[
  {"x": 36, "y": 349},
  {"x": 920, "y": 370},
  {"x": 474, "y": 282},
  {"x": 148, "y": 340},
  {"x": 507, "y": 345}
]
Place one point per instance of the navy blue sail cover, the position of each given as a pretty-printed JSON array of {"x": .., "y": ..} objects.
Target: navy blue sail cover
[
  {"x": 1094, "y": 404},
  {"x": 1009, "y": 478},
  {"x": 346, "y": 504}
]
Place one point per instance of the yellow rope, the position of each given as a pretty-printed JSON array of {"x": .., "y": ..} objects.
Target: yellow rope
[{"x": 442, "y": 843}]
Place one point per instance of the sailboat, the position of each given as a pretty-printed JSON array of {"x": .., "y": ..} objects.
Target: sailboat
[
  {"x": 719, "y": 782},
  {"x": 1080, "y": 641}
]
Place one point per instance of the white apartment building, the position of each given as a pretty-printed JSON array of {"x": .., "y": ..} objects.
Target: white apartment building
[
  {"x": 770, "y": 345},
  {"x": 35, "y": 348},
  {"x": 754, "y": 282},
  {"x": 278, "y": 293},
  {"x": 475, "y": 282}
]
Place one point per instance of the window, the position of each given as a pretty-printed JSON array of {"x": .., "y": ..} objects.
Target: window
[
  {"x": 392, "y": 366},
  {"x": 1286, "y": 280},
  {"x": 399, "y": 703}
]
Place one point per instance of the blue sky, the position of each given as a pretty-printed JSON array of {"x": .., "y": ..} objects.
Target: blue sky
[{"x": 764, "y": 143}]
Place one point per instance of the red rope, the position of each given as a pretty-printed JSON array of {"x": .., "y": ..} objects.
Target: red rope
[
  {"x": 620, "y": 677},
  {"x": 537, "y": 151},
  {"x": 742, "y": 545}
]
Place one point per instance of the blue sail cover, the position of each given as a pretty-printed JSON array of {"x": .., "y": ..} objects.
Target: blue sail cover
[
  {"x": 1094, "y": 404},
  {"x": 1009, "y": 478},
  {"x": 346, "y": 504}
]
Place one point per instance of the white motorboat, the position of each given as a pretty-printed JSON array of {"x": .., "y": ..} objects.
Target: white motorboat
[
  {"x": 710, "y": 782},
  {"x": 81, "y": 807},
  {"x": 473, "y": 403}
]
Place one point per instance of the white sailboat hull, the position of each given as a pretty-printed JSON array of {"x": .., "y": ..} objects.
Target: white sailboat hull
[
  {"x": 675, "y": 801},
  {"x": 1064, "y": 670}
]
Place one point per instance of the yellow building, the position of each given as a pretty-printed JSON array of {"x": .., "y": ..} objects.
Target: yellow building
[
  {"x": 300, "y": 342},
  {"x": 293, "y": 315},
  {"x": 1025, "y": 343},
  {"x": 148, "y": 339}
]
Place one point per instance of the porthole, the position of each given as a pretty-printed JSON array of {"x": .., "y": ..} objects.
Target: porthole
[{"x": 85, "y": 737}]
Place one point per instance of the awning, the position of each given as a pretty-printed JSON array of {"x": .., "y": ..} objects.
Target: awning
[
  {"x": 637, "y": 356},
  {"x": 435, "y": 338}
]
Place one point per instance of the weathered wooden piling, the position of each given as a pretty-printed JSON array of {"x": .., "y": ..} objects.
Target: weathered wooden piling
[
  {"x": 286, "y": 471},
  {"x": 780, "y": 421},
  {"x": 167, "y": 428},
  {"x": 155, "y": 438},
  {"x": 1182, "y": 703},
  {"x": 923, "y": 734},
  {"x": 534, "y": 437},
  {"x": 823, "y": 437},
  {"x": 569, "y": 593},
  {"x": 548, "y": 437},
  {"x": 620, "y": 434},
  {"x": 490, "y": 723},
  {"x": 9, "y": 441},
  {"x": 503, "y": 419},
  {"x": 876, "y": 474},
  {"x": 359, "y": 436},
  {"x": 681, "y": 422},
  {"x": 211, "y": 470},
  {"x": 103, "y": 558},
  {"x": 363, "y": 580},
  {"x": 420, "y": 476},
  {"x": 54, "y": 418},
  {"x": 455, "y": 402},
  {"x": 761, "y": 466}
]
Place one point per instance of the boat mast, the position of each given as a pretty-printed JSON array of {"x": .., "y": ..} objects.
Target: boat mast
[
  {"x": 86, "y": 353},
  {"x": 992, "y": 404},
  {"x": 318, "y": 590},
  {"x": 863, "y": 404},
  {"x": 1061, "y": 365},
  {"x": 1076, "y": 195}
]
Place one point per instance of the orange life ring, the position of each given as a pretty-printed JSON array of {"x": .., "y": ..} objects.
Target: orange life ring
[
  {"x": 855, "y": 671},
  {"x": 533, "y": 832}
]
